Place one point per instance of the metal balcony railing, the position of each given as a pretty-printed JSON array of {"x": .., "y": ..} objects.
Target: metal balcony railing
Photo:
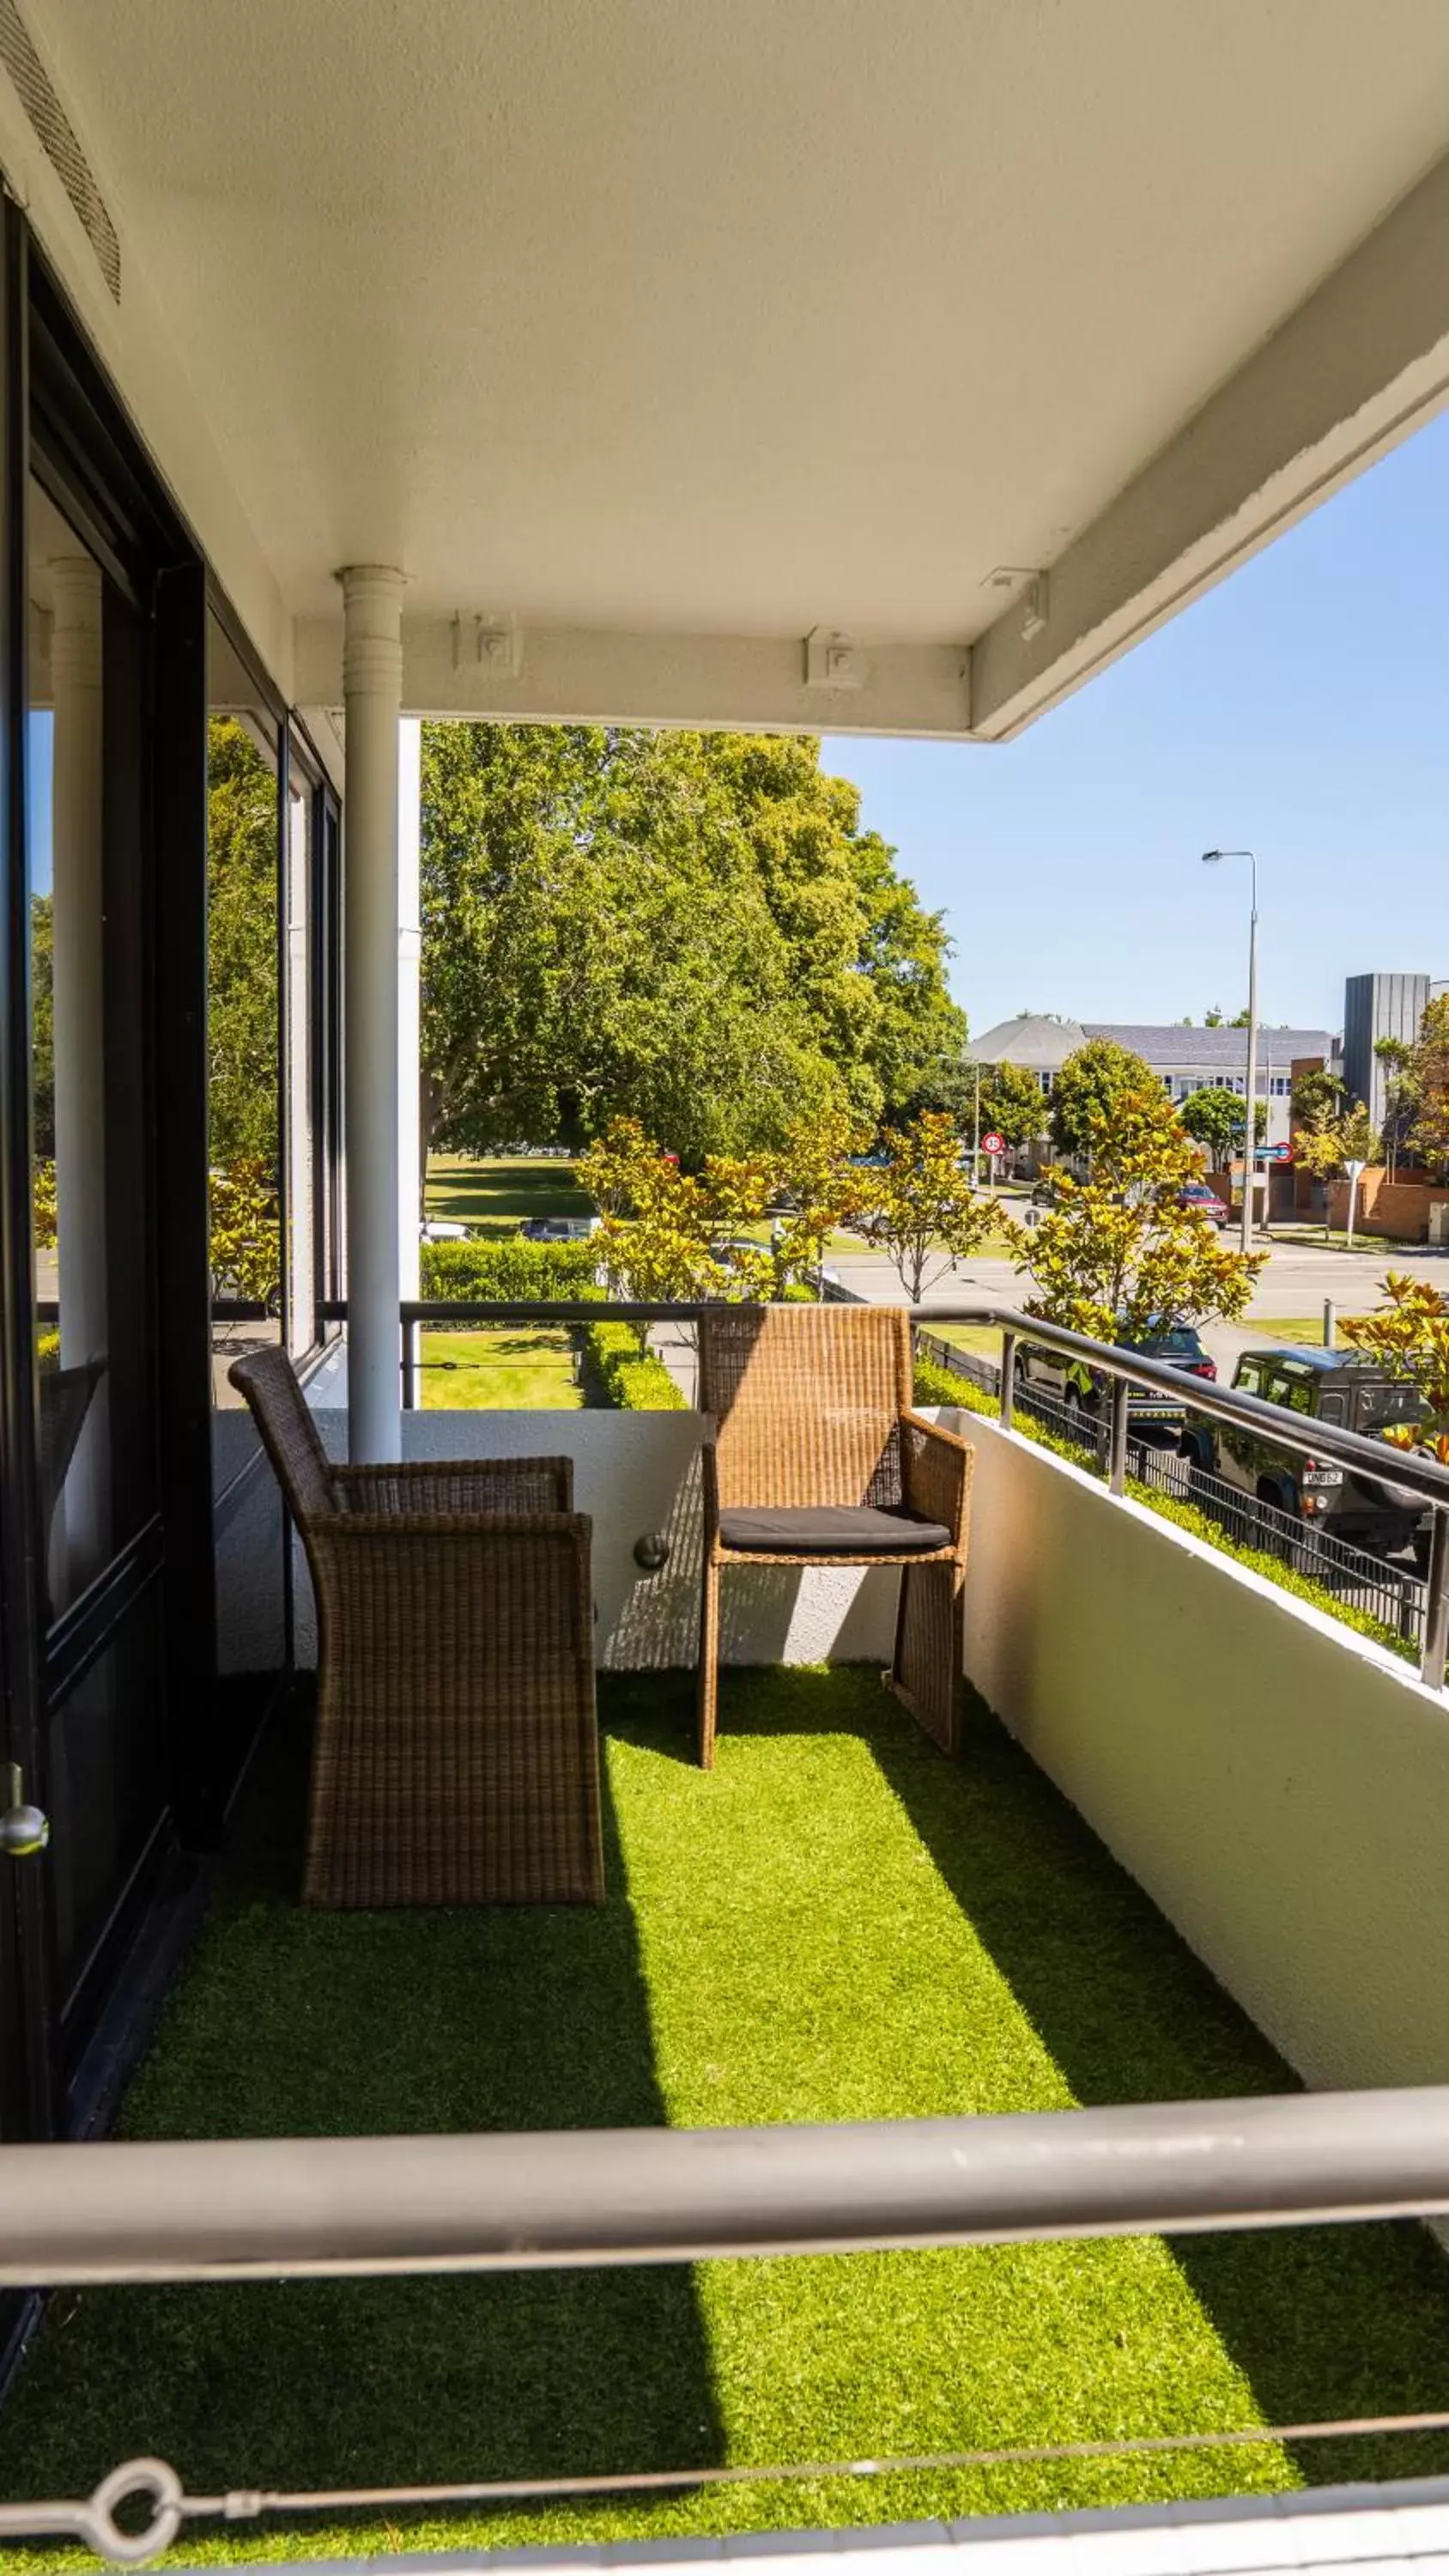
[
  {"x": 273, "y": 2208},
  {"x": 1292, "y": 1433}
]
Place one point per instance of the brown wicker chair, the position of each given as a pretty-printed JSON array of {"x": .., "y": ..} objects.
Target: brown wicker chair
[
  {"x": 456, "y": 1758},
  {"x": 818, "y": 1459}
]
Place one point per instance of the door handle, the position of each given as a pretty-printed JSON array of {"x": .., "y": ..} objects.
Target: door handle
[{"x": 24, "y": 1829}]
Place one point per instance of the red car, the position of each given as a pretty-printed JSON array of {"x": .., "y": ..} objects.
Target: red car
[{"x": 1197, "y": 1195}]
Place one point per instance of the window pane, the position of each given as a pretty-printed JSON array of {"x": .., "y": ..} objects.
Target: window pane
[
  {"x": 96, "y": 1463},
  {"x": 301, "y": 1244},
  {"x": 243, "y": 1039}
]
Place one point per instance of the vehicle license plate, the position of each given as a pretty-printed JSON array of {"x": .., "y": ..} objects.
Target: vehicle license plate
[{"x": 1323, "y": 1476}]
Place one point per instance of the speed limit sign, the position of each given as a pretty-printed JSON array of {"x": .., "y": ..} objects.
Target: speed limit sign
[{"x": 993, "y": 1144}]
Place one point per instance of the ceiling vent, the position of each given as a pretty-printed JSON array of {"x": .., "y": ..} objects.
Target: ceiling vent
[{"x": 56, "y": 133}]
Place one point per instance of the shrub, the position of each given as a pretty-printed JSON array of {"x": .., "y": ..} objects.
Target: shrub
[
  {"x": 632, "y": 1380},
  {"x": 935, "y": 1385},
  {"x": 511, "y": 1269}
]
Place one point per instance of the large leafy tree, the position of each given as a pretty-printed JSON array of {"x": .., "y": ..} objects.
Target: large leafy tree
[
  {"x": 686, "y": 929},
  {"x": 1087, "y": 1090}
]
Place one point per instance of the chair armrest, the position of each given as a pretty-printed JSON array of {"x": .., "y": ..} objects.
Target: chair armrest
[
  {"x": 936, "y": 1469},
  {"x": 709, "y": 1487},
  {"x": 455, "y": 1486}
]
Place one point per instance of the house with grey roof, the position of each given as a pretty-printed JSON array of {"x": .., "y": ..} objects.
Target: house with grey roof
[{"x": 1186, "y": 1059}]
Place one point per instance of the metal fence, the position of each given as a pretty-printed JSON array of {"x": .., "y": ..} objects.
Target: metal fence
[
  {"x": 1414, "y": 1606},
  {"x": 1389, "y": 1590}
]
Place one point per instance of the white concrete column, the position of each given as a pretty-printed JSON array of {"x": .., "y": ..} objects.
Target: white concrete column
[
  {"x": 409, "y": 967},
  {"x": 372, "y": 690},
  {"x": 78, "y": 915}
]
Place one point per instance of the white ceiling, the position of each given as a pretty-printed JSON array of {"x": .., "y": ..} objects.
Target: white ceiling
[{"x": 726, "y": 316}]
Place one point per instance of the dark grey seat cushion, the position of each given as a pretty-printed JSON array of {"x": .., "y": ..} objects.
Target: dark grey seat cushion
[{"x": 829, "y": 1529}]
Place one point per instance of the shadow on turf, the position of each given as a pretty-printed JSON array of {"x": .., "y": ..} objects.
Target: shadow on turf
[
  {"x": 1325, "y": 2323},
  {"x": 294, "y": 2023}
]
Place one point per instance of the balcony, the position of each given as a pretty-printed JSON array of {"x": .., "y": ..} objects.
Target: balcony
[
  {"x": 1190, "y": 1851},
  {"x": 837, "y": 1925}
]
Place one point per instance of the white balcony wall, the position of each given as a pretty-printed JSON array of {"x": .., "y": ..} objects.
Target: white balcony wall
[{"x": 1276, "y": 1784}]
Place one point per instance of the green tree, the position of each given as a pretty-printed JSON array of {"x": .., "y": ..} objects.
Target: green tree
[
  {"x": 690, "y": 929},
  {"x": 1410, "y": 1338},
  {"x": 1430, "y": 1074},
  {"x": 241, "y": 948},
  {"x": 1401, "y": 1098},
  {"x": 1329, "y": 1142},
  {"x": 42, "y": 1022},
  {"x": 1012, "y": 1103},
  {"x": 1215, "y": 1119},
  {"x": 922, "y": 1208},
  {"x": 1317, "y": 1097},
  {"x": 1116, "y": 1256},
  {"x": 1087, "y": 1088}
]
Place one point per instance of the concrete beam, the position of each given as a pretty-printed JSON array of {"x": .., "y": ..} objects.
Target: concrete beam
[
  {"x": 568, "y": 676},
  {"x": 1356, "y": 368}
]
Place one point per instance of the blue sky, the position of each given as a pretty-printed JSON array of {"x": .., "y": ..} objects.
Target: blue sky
[{"x": 1302, "y": 709}]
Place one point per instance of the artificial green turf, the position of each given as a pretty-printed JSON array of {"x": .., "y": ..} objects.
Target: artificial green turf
[
  {"x": 837, "y": 1924},
  {"x": 505, "y": 1365}
]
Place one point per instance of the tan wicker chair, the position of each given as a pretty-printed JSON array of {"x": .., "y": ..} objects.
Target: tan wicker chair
[
  {"x": 456, "y": 1758},
  {"x": 818, "y": 1459}
]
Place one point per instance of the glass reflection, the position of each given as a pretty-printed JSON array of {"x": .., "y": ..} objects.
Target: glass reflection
[
  {"x": 67, "y": 933},
  {"x": 243, "y": 1034}
]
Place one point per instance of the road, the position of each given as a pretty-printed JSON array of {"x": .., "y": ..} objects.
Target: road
[{"x": 1299, "y": 1276}]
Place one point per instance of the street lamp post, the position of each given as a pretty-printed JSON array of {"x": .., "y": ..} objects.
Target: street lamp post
[
  {"x": 976, "y": 1135},
  {"x": 1210, "y": 859}
]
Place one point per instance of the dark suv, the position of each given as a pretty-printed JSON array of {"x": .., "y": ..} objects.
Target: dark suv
[{"x": 1338, "y": 1387}]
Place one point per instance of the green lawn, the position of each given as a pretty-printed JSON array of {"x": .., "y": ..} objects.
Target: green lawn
[
  {"x": 1295, "y": 1328},
  {"x": 493, "y": 1196},
  {"x": 837, "y": 1925},
  {"x": 511, "y": 1366},
  {"x": 983, "y": 1339}
]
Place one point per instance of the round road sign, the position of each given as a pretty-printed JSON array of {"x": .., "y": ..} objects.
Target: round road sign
[{"x": 993, "y": 1144}]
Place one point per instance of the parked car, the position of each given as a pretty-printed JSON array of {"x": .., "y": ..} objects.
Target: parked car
[
  {"x": 1353, "y": 1394},
  {"x": 442, "y": 1229},
  {"x": 1198, "y": 1196},
  {"x": 559, "y": 1229},
  {"x": 1156, "y": 1420}
]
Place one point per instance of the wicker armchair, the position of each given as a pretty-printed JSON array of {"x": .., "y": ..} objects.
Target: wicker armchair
[
  {"x": 818, "y": 1459},
  {"x": 456, "y": 1758}
]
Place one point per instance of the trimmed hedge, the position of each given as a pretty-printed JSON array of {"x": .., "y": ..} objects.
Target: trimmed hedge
[
  {"x": 510, "y": 1268},
  {"x": 632, "y": 1380},
  {"x": 935, "y": 1385}
]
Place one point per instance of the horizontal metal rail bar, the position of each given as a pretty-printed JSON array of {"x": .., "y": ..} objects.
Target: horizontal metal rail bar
[
  {"x": 1283, "y": 1430},
  {"x": 268, "y": 2208}
]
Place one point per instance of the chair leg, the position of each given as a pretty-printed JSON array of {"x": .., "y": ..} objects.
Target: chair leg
[
  {"x": 708, "y": 1663},
  {"x": 927, "y": 1672}
]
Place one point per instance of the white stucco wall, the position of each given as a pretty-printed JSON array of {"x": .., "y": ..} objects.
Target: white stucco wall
[
  {"x": 636, "y": 1473},
  {"x": 1278, "y": 1786}
]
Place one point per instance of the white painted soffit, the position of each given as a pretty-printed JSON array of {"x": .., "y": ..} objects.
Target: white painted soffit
[{"x": 662, "y": 336}]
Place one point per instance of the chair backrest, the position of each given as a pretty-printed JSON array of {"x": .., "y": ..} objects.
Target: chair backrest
[
  {"x": 808, "y": 1400},
  {"x": 289, "y": 1434}
]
